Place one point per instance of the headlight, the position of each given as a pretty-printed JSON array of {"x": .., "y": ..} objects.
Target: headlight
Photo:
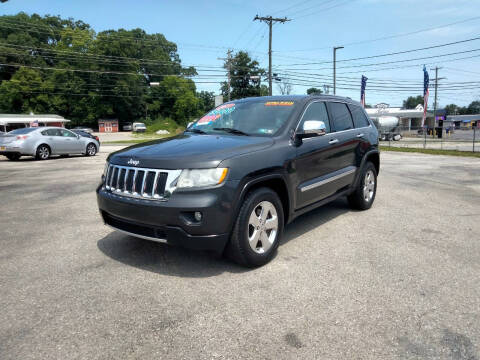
[{"x": 201, "y": 177}]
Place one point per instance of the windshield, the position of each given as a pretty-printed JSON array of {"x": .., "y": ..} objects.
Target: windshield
[
  {"x": 22, "y": 131},
  {"x": 262, "y": 118}
]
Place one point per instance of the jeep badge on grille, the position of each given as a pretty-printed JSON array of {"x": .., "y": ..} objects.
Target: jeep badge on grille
[{"x": 133, "y": 162}]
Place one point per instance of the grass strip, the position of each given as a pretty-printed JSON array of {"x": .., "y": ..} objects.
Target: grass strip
[{"x": 431, "y": 151}]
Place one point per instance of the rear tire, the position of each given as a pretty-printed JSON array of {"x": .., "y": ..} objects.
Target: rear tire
[
  {"x": 43, "y": 152},
  {"x": 91, "y": 150},
  {"x": 364, "y": 195},
  {"x": 258, "y": 229},
  {"x": 13, "y": 157}
]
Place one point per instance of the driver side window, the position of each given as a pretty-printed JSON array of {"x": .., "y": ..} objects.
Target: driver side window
[{"x": 316, "y": 111}]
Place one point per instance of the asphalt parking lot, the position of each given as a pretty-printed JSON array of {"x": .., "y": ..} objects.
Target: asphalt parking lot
[{"x": 401, "y": 280}]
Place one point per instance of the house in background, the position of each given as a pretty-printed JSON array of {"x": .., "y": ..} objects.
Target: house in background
[
  {"x": 107, "y": 125},
  {"x": 10, "y": 122}
]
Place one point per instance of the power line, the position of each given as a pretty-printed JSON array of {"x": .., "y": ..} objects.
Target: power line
[
  {"x": 390, "y": 36},
  {"x": 392, "y": 53},
  {"x": 324, "y": 9}
]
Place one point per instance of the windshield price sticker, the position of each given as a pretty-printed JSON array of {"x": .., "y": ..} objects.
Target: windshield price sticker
[
  {"x": 216, "y": 113},
  {"x": 279, "y": 103}
]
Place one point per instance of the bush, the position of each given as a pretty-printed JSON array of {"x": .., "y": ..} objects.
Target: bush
[{"x": 164, "y": 124}]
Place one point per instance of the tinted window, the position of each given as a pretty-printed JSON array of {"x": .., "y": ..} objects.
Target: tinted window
[
  {"x": 359, "y": 118},
  {"x": 22, "y": 131},
  {"x": 316, "y": 111},
  {"x": 341, "y": 117},
  {"x": 67, "y": 133}
]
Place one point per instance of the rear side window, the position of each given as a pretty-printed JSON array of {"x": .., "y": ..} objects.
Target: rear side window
[
  {"x": 359, "y": 118},
  {"x": 51, "y": 132},
  {"x": 316, "y": 111},
  {"x": 342, "y": 120}
]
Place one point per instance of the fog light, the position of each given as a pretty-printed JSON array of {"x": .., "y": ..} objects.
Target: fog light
[{"x": 198, "y": 216}]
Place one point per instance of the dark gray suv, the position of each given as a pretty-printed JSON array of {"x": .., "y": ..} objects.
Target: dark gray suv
[{"x": 236, "y": 176}]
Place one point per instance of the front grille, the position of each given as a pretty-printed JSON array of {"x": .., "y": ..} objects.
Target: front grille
[{"x": 153, "y": 184}]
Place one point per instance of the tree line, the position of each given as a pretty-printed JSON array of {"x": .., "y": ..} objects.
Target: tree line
[
  {"x": 62, "y": 66},
  {"x": 452, "y": 109}
]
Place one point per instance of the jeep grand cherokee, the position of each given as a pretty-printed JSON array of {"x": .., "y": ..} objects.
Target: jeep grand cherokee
[{"x": 236, "y": 176}]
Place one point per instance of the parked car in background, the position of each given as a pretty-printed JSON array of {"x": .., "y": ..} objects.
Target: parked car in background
[
  {"x": 42, "y": 142},
  {"x": 85, "y": 129},
  {"x": 236, "y": 176},
  {"x": 127, "y": 126},
  {"x": 85, "y": 134},
  {"x": 139, "y": 127}
]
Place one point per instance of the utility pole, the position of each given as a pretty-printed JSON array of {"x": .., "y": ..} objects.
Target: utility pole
[
  {"x": 228, "y": 59},
  {"x": 335, "y": 68},
  {"x": 270, "y": 20},
  {"x": 435, "y": 101}
]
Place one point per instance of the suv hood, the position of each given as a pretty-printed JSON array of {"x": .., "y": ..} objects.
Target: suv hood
[{"x": 188, "y": 151}]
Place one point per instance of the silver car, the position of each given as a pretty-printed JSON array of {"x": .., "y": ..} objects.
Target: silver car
[{"x": 42, "y": 142}]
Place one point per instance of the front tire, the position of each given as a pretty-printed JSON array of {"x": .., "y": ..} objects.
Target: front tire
[
  {"x": 13, "y": 157},
  {"x": 364, "y": 194},
  {"x": 258, "y": 229},
  {"x": 43, "y": 152},
  {"x": 91, "y": 150}
]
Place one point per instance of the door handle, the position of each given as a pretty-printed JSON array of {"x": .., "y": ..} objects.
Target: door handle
[
  {"x": 360, "y": 135},
  {"x": 333, "y": 141}
]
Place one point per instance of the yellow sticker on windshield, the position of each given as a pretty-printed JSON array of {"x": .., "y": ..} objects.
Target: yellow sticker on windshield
[{"x": 279, "y": 103}]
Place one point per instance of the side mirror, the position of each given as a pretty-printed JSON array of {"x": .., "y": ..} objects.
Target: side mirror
[
  {"x": 313, "y": 128},
  {"x": 189, "y": 124}
]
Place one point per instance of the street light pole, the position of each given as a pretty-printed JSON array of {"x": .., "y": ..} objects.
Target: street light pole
[{"x": 335, "y": 68}]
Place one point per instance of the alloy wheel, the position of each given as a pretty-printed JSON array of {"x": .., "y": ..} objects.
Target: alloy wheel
[
  {"x": 262, "y": 227},
  {"x": 91, "y": 150},
  {"x": 44, "y": 152},
  {"x": 369, "y": 186}
]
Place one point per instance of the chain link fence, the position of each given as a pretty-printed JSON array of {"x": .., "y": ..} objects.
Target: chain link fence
[{"x": 439, "y": 139}]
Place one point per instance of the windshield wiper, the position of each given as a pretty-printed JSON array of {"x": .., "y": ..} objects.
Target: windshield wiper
[
  {"x": 232, "y": 131},
  {"x": 196, "y": 131}
]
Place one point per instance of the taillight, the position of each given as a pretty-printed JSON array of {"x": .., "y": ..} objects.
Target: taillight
[
  {"x": 97, "y": 138},
  {"x": 22, "y": 137}
]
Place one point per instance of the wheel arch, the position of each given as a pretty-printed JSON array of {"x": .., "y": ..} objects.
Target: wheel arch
[
  {"x": 43, "y": 143},
  {"x": 372, "y": 156},
  {"x": 92, "y": 143},
  {"x": 276, "y": 182}
]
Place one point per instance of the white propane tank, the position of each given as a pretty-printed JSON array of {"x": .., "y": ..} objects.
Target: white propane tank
[{"x": 388, "y": 122}]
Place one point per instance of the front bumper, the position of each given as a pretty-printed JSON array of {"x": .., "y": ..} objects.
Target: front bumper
[{"x": 170, "y": 221}]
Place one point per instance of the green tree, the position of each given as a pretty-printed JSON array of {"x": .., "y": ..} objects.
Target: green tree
[
  {"x": 474, "y": 107},
  {"x": 412, "y": 102},
  {"x": 245, "y": 75},
  {"x": 314, "y": 90},
  {"x": 68, "y": 69},
  {"x": 206, "y": 101}
]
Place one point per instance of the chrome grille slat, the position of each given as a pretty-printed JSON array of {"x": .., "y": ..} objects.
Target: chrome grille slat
[
  {"x": 157, "y": 174},
  {"x": 148, "y": 184},
  {"x": 125, "y": 180},
  {"x": 142, "y": 191}
]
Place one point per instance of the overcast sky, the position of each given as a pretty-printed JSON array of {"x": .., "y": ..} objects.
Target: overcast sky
[{"x": 204, "y": 29}]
